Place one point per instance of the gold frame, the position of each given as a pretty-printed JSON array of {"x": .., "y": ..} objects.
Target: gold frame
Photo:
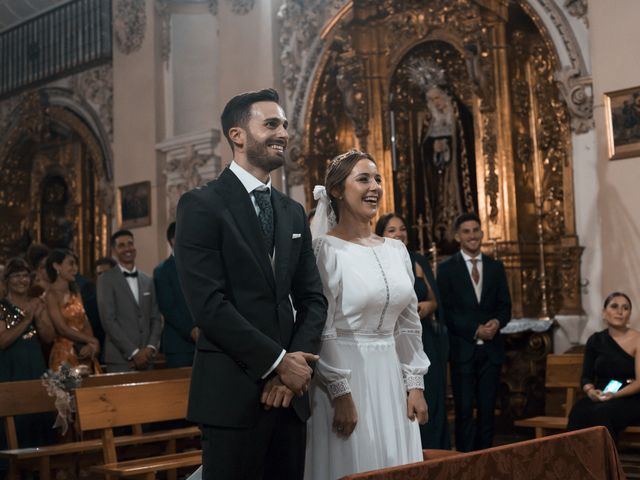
[
  {"x": 632, "y": 149},
  {"x": 144, "y": 218}
]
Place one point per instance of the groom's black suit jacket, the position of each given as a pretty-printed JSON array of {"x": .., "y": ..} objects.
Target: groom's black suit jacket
[
  {"x": 240, "y": 303},
  {"x": 464, "y": 314}
]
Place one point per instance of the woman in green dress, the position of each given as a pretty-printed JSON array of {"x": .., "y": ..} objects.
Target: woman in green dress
[{"x": 23, "y": 325}]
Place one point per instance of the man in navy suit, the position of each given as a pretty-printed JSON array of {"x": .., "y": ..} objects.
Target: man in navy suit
[
  {"x": 477, "y": 304},
  {"x": 180, "y": 333}
]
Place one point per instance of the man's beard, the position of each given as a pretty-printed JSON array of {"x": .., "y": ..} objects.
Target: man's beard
[{"x": 261, "y": 156}]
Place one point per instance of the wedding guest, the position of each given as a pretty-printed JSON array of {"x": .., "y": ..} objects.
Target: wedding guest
[
  {"x": 435, "y": 433},
  {"x": 128, "y": 310},
  {"x": 37, "y": 254},
  {"x": 103, "y": 264},
  {"x": 180, "y": 333},
  {"x": 75, "y": 343},
  {"x": 612, "y": 354},
  {"x": 477, "y": 304},
  {"x": 367, "y": 394},
  {"x": 24, "y": 324}
]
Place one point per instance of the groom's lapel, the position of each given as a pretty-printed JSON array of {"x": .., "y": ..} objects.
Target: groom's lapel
[
  {"x": 283, "y": 236},
  {"x": 244, "y": 214}
]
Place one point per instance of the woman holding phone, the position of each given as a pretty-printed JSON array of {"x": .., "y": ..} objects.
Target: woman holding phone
[{"x": 610, "y": 372}]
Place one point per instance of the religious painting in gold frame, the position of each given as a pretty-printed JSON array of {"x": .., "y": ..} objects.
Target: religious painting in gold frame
[
  {"x": 622, "y": 110},
  {"x": 134, "y": 205}
]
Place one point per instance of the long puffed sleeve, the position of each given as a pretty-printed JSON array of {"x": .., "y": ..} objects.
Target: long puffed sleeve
[
  {"x": 408, "y": 333},
  {"x": 333, "y": 376}
]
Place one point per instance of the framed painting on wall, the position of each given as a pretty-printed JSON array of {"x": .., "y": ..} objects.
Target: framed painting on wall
[
  {"x": 622, "y": 110},
  {"x": 134, "y": 205}
]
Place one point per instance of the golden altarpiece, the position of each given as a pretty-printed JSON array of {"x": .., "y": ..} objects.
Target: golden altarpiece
[
  {"x": 508, "y": 144},
  {"x": 54, "y": 186}
]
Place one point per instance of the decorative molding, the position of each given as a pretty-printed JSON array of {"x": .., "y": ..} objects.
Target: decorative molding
[
  {"x": 241, "y": 7},
  {"x": 578, "y": 8},
  {"x": 577, "y": 92},
  {"x": 301, "y": 48},
  {"x": 558, "y": 19},
  {"x": 190, "y": 162},
  {"x": 129, "y": 25},
  {"x": 351, "y": 83},
  {"x": 8, "y": 108},
  {"x": 164, "y": 13},
  {"x": 95, "y": 87}
]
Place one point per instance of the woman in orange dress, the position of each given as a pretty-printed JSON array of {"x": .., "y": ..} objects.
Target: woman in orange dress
[{"x": 74, "y": 343}]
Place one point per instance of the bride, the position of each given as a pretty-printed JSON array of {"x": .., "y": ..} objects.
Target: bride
[{"x": 367, "y": 394}]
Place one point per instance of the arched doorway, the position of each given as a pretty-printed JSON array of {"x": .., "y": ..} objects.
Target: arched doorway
[{"x": 55, "y": 187}]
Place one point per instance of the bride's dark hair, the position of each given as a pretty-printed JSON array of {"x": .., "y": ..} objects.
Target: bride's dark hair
[{"x": 337, "y": 172}]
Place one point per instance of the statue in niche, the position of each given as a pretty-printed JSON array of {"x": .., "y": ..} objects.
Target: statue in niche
[{"x": 445, "y": 167}]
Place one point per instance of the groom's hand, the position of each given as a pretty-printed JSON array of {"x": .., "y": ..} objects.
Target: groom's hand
[
  {"x": 295, "y": 372},
  {"x": 275, "y": 394}
]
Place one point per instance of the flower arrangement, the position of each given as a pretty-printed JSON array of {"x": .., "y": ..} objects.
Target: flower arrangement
[{"x": 60, "y": 384}]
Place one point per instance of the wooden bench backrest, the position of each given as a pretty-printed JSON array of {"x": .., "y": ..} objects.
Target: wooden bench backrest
[
  {"x": 564, "y": 371},
  {"x": 30, "y": 396},
  {"x": 121, "y": 378},
  {"x": 137, "y": 403},
  {"x": 24, "y": 397}
]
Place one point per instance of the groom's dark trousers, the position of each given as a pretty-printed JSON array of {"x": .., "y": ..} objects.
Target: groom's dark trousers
[{"x": 241, "y": 300}]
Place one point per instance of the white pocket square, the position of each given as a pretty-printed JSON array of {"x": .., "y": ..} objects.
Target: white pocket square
[
  {"x": 144, "y": 294},
  {"x": 296, "y": 235}
]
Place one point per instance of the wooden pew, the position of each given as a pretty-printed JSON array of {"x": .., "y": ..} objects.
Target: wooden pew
[
  {"x": 30, "y": 397},
  {"x": 104, "y": 408},
  {"x": 563, "y": 372}
]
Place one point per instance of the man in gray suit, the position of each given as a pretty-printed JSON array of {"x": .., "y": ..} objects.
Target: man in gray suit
[{"x": 128, "y": 310}]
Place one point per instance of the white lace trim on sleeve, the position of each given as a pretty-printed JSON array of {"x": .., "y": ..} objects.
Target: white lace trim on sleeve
[
  {"x": 414, "y": 382},
  {"x": 338, "y": 388}
]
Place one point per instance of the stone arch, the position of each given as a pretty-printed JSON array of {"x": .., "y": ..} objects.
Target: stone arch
[{"x": 43, "y": 115}]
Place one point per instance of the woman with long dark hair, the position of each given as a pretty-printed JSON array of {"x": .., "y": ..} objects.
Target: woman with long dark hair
[
  {"x": 435, "y": 433},
  {"x": 74, "y": 343}
]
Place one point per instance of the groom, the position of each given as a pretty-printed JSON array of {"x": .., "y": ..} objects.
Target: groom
[{"x": 243, "y": 252}]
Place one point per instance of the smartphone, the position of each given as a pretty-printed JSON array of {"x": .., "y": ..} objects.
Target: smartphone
[{"x": 612, "y": 387}]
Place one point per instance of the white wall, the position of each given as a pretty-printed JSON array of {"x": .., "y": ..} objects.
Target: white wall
[
  {"x": 138, "y": 123},
  {"x": 612, "y": 233}
]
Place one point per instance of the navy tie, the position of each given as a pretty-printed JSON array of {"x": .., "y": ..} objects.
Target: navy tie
[{"x": 265, "y": 217}]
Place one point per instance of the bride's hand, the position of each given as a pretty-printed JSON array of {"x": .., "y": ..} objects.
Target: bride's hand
[
  {"x": 345, "y": 417},
  {"x": 417, "y": 406}
]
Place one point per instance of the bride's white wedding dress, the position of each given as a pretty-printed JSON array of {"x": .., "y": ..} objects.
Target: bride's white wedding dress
[{"x": 371, "y": 347}]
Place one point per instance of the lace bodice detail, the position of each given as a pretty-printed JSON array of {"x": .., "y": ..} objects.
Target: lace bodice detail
[{"x": 370, "y": 294}]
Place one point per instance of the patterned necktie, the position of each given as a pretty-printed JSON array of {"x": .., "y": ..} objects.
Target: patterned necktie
[
  {"x": 265, "y": 217},
  {"x": 475, "y": 273}
]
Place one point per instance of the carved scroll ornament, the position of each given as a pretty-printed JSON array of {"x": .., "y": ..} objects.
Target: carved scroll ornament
[
  {"x": 577, "y": 93},
  {"x": 129, "y": 25}
]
